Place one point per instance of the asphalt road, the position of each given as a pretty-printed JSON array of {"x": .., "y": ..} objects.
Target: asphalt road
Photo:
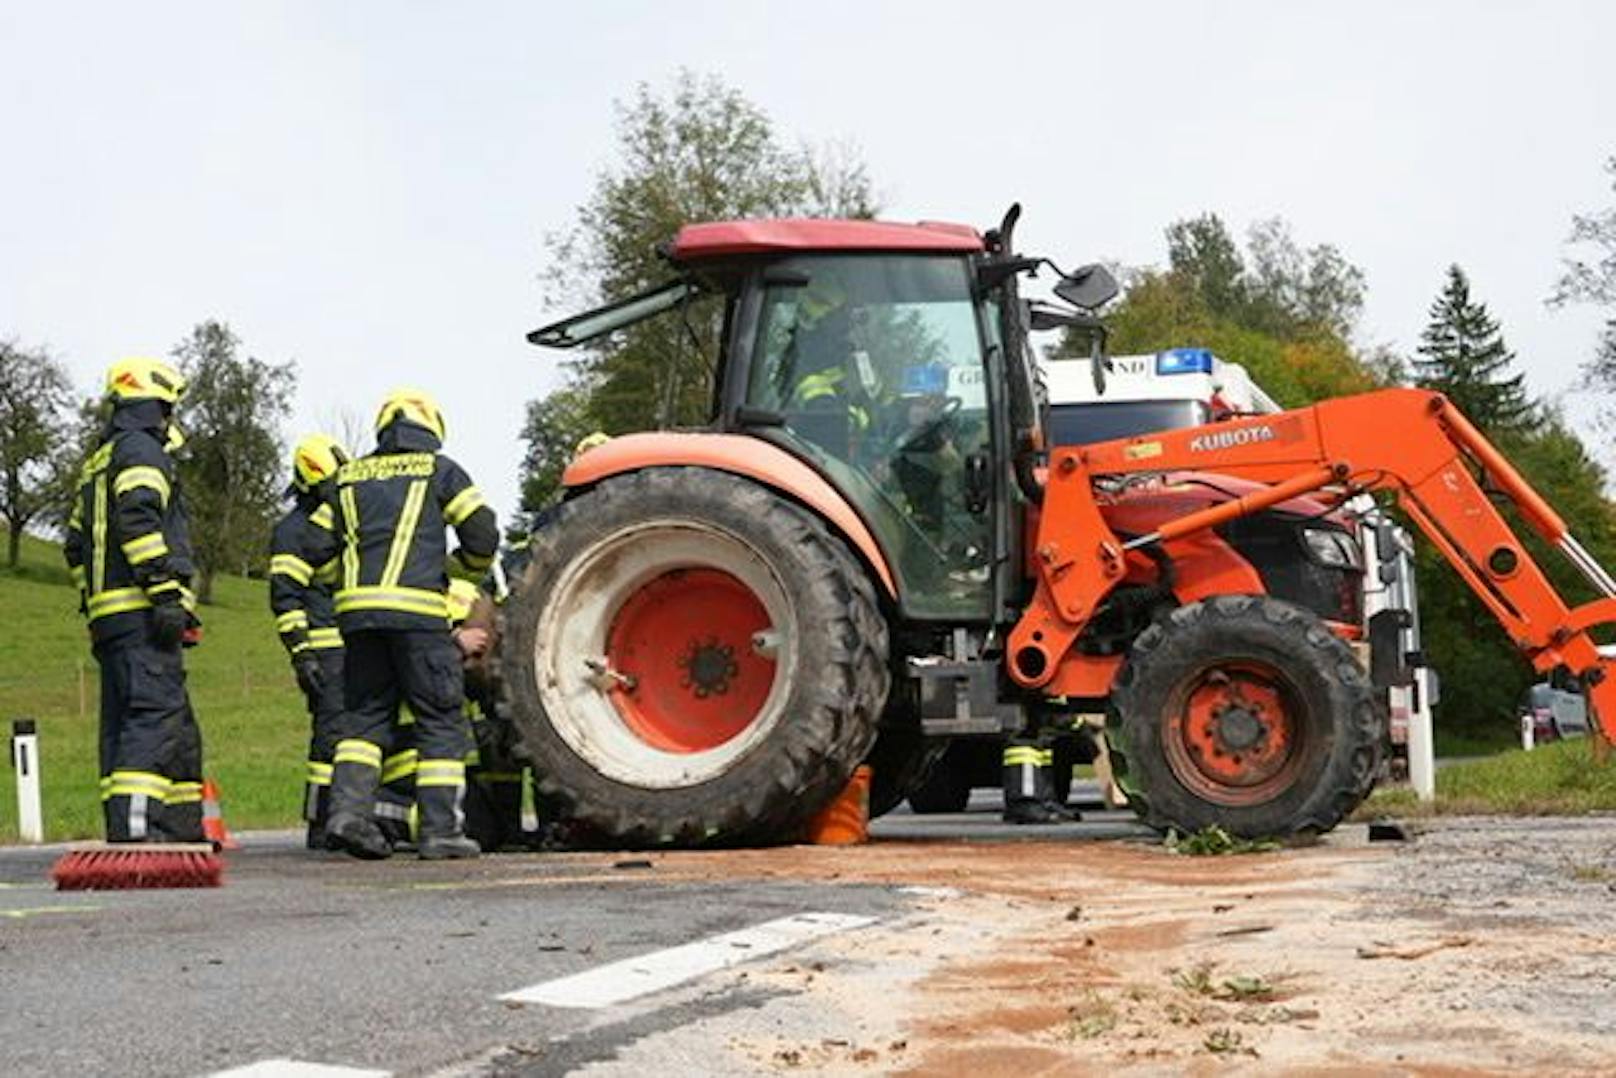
[{"x": 393, "y": 967}]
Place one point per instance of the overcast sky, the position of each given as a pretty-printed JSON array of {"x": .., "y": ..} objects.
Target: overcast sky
[{"x": 364, "y": 187}]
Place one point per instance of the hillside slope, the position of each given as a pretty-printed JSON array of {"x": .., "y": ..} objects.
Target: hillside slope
[{"x": 254, "y": 727}]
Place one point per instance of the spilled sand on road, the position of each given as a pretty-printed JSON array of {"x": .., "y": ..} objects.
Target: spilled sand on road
[{"x": 1029, "y": 958}]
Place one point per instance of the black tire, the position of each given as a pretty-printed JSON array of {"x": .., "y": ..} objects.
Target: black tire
[
  {"x": 899, "y": 762},
  {"x": 1060, "y": 770},
  {"x": 947, "y": 788},
  {"x": 1334, "y": 740},
  {"x": 824, "y": 726}
]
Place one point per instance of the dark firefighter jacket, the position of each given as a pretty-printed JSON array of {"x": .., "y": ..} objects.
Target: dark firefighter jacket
[
  {"x": 299, "y": 589},
  {"x": 128, "y": 542},
  {"x": 390, "y": 510}
]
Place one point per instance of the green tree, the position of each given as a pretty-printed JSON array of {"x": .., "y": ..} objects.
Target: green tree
[
  {"x": 1284, "y": 312},
  {"x": 1463, "y": 355},
  {"x": 232, "y": 466},
  {"x": 1592, "y": 279},
  {"x": 36, "y": 397},
  {"x": 553, "y": 427},
  {"x": 699, "y": 152},
  {"x": 1483, "y": 674}
]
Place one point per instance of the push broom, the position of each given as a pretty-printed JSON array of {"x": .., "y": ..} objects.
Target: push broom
[{"x": 128, "y": 866}]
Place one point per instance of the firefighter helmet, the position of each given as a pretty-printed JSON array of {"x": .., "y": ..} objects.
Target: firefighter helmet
[
  {"x": 315, "y": 459},
  {"x": 822, "y": 295},
  {"x": 590, "y": 441},
  {"x": 139, "y": 378},
  {"x": 415, "y": 406}
]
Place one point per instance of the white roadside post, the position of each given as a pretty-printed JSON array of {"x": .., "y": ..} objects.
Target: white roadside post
[
  {"x": 1421, "y": 746},
  {"x": 25, "y": 761}
]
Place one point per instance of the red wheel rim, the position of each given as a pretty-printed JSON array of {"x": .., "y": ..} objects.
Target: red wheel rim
[
  {"x": 692, "y": 678},
  {"x": 1234, "y": 733}
]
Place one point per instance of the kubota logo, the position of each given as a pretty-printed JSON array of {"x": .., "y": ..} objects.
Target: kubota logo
[{"x": 1228, "y": 439}]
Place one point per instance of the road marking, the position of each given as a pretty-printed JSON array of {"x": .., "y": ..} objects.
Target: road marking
[
  {"x": 618, "y": 982},
  {"x": 34, "y": 911},
  {"x": 292, "y": 1068}
]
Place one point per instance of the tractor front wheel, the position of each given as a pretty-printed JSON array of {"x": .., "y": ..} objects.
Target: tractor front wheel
[
  {"x": 1245, "y": 712},
  {"x": 692, "y": 659}
]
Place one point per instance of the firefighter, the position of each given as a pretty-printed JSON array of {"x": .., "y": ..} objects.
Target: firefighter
[
  {"x": 300, "y": 598},
  {"x": 390, "y": 511},
  {"x": 128, "y": 547},
  {"x": 824, "y": 371},
  {"x": 1029, "y": 792}
]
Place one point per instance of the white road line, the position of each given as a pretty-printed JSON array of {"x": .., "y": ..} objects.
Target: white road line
[
  {"x": 618, "y": 982},
  {"x": 292, "y": 1068}
]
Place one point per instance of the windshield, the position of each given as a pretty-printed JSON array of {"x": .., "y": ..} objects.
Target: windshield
[
  {"x": 875, "y": 365},
  {"x": 1102, "y": 421}
]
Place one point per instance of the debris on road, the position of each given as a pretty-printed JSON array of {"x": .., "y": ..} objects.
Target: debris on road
[{"x": 1387, "y": 950}]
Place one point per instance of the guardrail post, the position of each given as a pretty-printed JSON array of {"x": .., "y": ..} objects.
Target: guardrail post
[{"x": 25, "y": 761}]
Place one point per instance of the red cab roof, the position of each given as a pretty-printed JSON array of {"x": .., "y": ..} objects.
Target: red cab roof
[{"x": 718, "y": 238}]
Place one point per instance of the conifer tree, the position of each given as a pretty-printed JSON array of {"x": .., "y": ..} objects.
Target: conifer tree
[{"x": 1462, "y": 355}]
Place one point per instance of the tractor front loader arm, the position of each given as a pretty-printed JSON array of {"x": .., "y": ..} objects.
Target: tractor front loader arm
[{"x": 1411, "y": 442}]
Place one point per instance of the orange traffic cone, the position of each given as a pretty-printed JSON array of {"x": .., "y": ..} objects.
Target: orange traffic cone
[
  {"x": 846, "y": 820},
  {"x": 213, "y": 819}
]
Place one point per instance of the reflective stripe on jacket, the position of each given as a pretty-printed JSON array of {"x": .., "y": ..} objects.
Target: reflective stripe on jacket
[
  {"x": 390, "y": 510},
  {"x": 299, "y": 590},
  {"x": 128, "y": 543}
]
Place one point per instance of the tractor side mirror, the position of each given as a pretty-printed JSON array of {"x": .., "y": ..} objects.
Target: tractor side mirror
[
  {"x": 1043, "y": 316},
  {"x": 1088, "y": 287}
]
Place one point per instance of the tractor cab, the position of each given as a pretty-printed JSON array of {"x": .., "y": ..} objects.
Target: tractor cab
[{"x": 874, "y": 353}]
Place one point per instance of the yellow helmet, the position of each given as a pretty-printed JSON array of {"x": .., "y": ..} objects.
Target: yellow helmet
[
  {"x": 415, "y": 405},
  {"x": 462, "y": 593},
  {"x": 139, "y": 378},
  {"x": 315, "y": 459},
  {"x": 590, "y": 441},
  {"x": 822, "y": 295}
]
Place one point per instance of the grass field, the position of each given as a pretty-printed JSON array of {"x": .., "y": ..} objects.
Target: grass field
[
  {"x": 254, "y": 727},
  {"x": 1559, "y": 778}
]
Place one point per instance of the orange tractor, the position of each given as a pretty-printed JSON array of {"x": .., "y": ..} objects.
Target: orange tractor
[{"x": 870, "y": 550}]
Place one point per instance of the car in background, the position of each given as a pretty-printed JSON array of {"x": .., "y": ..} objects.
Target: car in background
[{"x": 1552, "y": 711}]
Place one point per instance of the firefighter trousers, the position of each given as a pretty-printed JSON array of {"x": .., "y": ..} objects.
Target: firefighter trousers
[
  {"x": 420, "y": 669},
  {"x": 494, "y": 784},
  {"x": 325, "y": 720},
  {"x": 150, "y": 744}
]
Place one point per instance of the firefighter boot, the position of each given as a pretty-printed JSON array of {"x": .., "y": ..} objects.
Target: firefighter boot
[
  {"x": 353, "y": 792},
  {"x": 317, "y": 804},
  {"x": 438, "y": 801},
  {"x": 1028, "y": 796}
]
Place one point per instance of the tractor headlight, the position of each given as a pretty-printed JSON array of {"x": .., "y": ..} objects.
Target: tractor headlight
[{"x": 1329, "y": 546}]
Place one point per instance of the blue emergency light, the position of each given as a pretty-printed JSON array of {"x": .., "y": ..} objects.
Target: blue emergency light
[
  {"x": 928, "y": 379},
  {"x": 1184, "y": 361}
]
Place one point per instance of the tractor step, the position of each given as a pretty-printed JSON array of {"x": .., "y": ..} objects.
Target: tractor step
[{"x": 956, "y": 727}]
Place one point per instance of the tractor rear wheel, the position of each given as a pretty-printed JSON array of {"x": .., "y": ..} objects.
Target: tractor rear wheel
[
  {"x": 692, "y": 659},
  {"x": 1245, "y": 712}
]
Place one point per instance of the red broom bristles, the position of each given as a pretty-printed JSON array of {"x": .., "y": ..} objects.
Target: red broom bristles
[{"x": 131, "y": 866}]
